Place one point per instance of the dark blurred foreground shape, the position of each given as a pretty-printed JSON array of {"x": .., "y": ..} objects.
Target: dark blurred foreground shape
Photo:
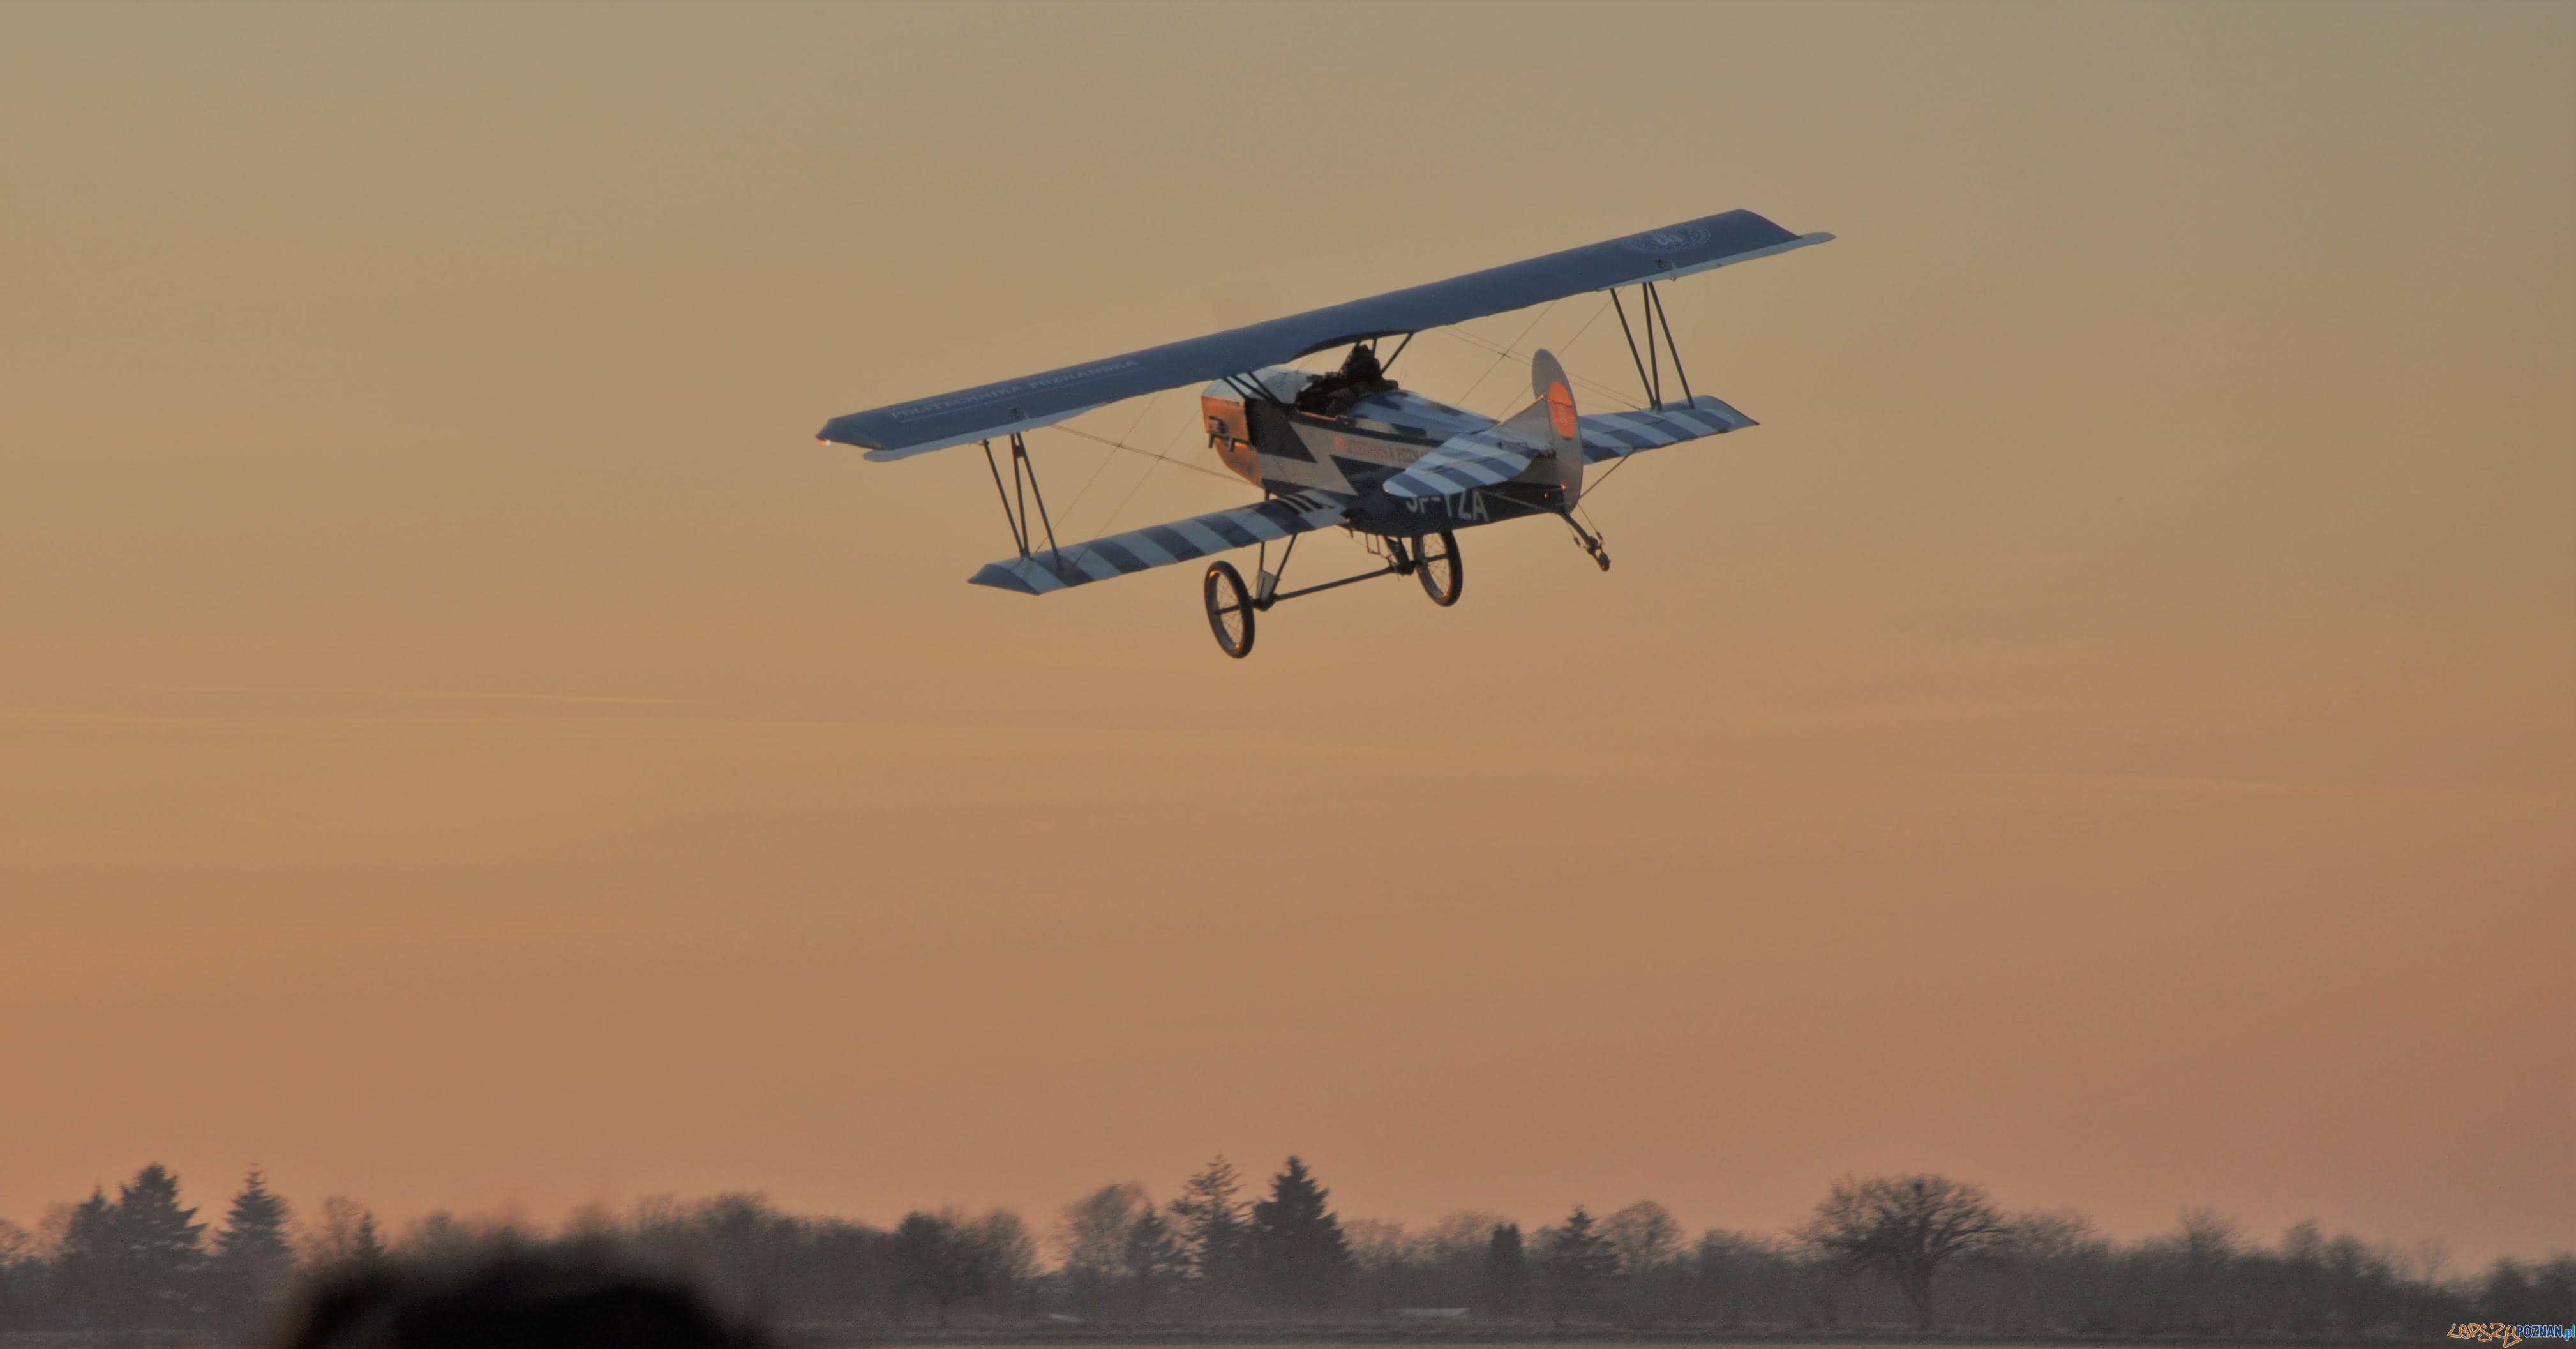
[{"x": 510, "y": 1302}]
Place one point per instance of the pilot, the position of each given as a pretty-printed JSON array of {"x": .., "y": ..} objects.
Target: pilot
[{"x": 1360, "y": 376}]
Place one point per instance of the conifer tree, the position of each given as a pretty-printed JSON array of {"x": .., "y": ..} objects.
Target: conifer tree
[
  {"x": 1208, "y": 1218},
  {"x": 364, "y": 1247},
  {"x": 84, "y": 1261},
  {"x": 253, "y": 1259},
  {"x": 1152, "y": 1261},
  {"x": 1506, "y": 1273},
  {"x": 1296, "y": 1244},
  {"x": 136, "y": 1262},
  {"x": 1580, "y": 1264}
]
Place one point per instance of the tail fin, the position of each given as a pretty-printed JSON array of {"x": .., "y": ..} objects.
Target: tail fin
[{"x": 1550, "y": 426}]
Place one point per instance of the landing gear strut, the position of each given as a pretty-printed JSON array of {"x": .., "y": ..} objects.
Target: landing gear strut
[{"x": 1431, "y": 559}]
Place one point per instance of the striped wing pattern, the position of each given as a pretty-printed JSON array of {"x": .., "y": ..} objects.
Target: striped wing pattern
[
  {"x": 1476, "y": 459},
  {"x": 1162, "y": 545},
  {"x": 1612, "y": 435}
]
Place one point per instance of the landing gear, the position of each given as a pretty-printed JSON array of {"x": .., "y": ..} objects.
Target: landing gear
[
  {"x": 1436, "y": 565},
  {"x": 1229, "y": 609},
  {"x": 1431, "y": 559}
]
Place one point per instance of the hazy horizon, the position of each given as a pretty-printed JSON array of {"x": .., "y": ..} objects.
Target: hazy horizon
[{"x": 2109, "y": 734}]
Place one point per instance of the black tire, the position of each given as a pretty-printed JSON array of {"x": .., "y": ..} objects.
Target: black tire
[
  {"x": 1229, "y": 609},
  {"x": 1436, "y": 565}
]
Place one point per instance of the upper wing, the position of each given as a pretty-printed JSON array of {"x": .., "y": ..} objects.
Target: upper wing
[
  {"x": 1038, "y": 400},
  {"x": 1611, "y": 435},
  {"x": 1162, "y": 545}
]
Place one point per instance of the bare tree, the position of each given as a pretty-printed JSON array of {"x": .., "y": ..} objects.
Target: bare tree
[
  {"x": 1378, "y": 1246},
  {"x": 1091, "y": 1236},
  {"x": 341, "y": 1233},
  {"x": 933, "y": 1264},
  {"x": 2205, "y": 1239},
  {"x": 1731, "y": 1268},
  {"x": 1003, "y": 1251},
  {"x": 1645, "y": 1237},
  {"x": 1460, "y": 1238},
  {"x": 2058, "y": 1234},
  {"x": 1905, "y": 1227}
]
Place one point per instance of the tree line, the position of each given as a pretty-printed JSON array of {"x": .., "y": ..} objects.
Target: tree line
[{"x": 1920, "y": 1251}]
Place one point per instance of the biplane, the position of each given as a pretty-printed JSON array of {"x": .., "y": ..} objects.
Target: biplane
[{"x": 1348, "y": 447}]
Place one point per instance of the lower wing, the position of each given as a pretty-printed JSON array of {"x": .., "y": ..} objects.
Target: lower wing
[{"x": 1162, "y": 545}]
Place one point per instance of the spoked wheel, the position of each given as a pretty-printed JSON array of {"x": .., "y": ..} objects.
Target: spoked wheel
[
  {"x": 1229, "y": 609},
  {"x": 1435, "y": 564}
]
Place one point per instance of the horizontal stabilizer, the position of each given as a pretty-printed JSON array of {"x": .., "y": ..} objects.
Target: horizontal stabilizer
[
  {"x": 1162, "y": 545},
  {"x": 1476, "y": 459},
  {"x": 1613, "y": 435}
]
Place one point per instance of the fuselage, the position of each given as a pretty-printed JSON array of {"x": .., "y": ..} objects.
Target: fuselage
[{"x": 1352, "y": 447}]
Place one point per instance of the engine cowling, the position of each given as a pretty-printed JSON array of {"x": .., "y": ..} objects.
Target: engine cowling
[{"x": 1229, "y": 429}]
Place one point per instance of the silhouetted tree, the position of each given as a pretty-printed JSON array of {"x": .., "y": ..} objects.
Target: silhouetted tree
[
  {"x": 1004, "y": 1256},
  {"x": 1644, "y": 1236},
  {"x": 343, "y": 1232},
  {"x": 1507, "y": 1280},
  {"x": 1091, "y": 1235},
  {"x": 434, "y": 1238},
  {"x": 2521, "y": 1292},
  {"x": 84, "y": 1262},
  {"x": 1648, "y": 1243},
  {"x": 1209, "y": 1221},
  {"x": 933, "y": 1264},
  {"x": 1905, "y": 1227},
  {"x": 365, "y": 1247},
  {"x": 1152, "y": 1262},
  {"x": 22, "y": 1279},
  {"x": 1739, "y": 1277},
  {"x": 146, "y": 1253},
  {"x": 1580, "y": 1265},
  {"x": 253, "y": 1260},
  {"x": 1297, "y": 1246}
]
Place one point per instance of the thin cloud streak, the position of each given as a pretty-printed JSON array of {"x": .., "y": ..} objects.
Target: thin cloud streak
[{"x": 475, "y": 695}]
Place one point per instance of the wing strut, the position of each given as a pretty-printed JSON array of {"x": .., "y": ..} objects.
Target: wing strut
[
  {"x": 1024, "y": 484},
  {"x": 1650, "y": 370}
]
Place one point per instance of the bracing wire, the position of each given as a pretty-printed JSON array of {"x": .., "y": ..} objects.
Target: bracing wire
[
  {"x": 1504, "y": 354},
  {"x": 1097, "y": 469},
  {"x": 1616, "y": 396},
  {"x": 1164, "y": 458},
  {"x": 1132, "y": 489}
]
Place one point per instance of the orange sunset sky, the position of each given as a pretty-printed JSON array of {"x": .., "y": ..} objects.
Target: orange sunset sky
[{"x": 2110, "y": 734}]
